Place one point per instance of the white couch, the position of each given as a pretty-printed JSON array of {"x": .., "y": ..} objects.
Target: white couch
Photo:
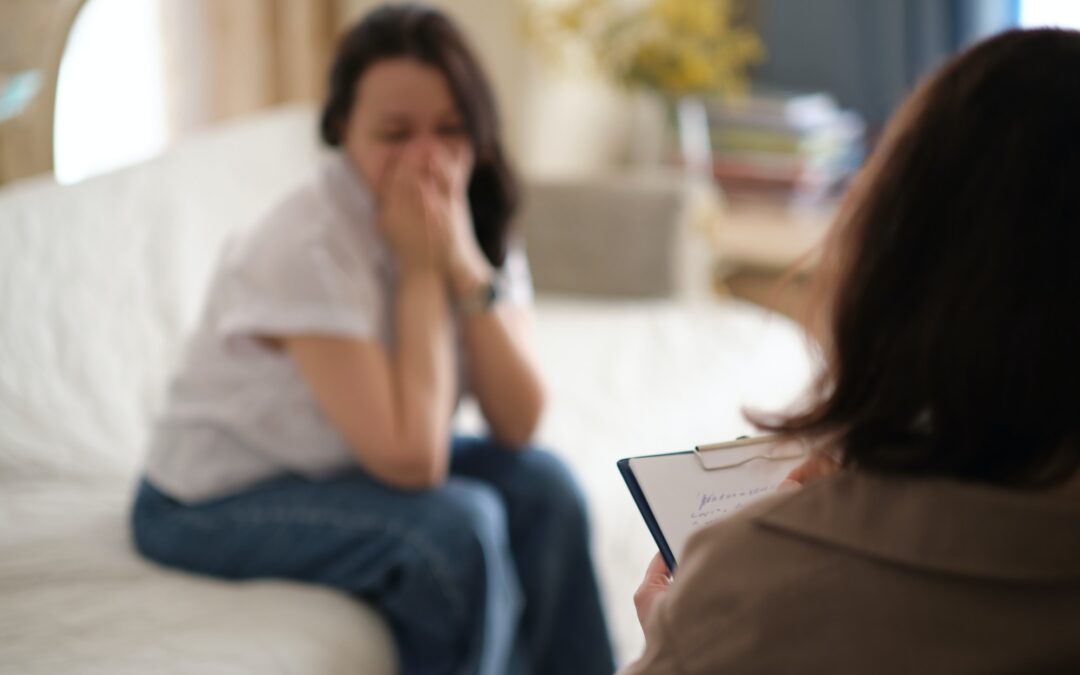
[{"x": 99, "y": 282}]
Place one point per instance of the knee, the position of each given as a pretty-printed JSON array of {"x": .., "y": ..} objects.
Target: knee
[
  {"x": 145, "y": 522},
  {"x": 467, "y": 528},
  {"x": 548, "y": 487},
  {"x": 470, "y": 518}
]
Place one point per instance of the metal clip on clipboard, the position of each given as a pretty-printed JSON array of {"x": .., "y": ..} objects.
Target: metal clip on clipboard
[{"x": 743, "y": 450}]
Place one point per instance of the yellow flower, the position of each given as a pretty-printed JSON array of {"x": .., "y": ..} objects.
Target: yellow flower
[
  {"x": 574, "y": 17},
  {"x": 691, "y": 16},
  {"x": 674, "y": 47}
]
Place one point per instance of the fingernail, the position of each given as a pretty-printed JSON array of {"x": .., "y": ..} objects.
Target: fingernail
[{"x": 788, "y": 485}]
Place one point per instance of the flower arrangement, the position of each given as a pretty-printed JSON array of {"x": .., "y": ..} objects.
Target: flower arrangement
[{"x": 675, "y": 48}]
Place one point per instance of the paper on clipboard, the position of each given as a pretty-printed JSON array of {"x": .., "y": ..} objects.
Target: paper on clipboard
[{"x": 688, "y": 490}]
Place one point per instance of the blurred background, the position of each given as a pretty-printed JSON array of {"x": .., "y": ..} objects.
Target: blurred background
[
  {"x": 129, "y": 77},
  {"x": 89, "y": 86}
]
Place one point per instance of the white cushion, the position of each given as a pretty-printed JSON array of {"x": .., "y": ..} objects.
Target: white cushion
[{"x": 76, "y": 599}]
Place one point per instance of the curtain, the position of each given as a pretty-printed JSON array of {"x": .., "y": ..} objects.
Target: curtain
[
  {"x": 228, "y": 58},
  {"x": 869, "y": 53}
]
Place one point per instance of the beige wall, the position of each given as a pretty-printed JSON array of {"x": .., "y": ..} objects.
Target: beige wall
[{"x": 574, "y": 123}]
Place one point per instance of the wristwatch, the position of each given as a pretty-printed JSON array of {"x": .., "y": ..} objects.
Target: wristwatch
[{"x": 479, "y": 301}]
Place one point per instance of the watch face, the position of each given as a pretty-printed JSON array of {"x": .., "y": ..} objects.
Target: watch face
[{"x": 482, "y": 300}]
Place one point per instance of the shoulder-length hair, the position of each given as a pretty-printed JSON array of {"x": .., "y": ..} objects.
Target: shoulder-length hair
[
  {"x": 951, "y": 281},
  {"x": 427, "y": 35}
]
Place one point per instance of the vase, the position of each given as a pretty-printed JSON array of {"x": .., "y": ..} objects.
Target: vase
[
  {"x": 665, "y": 131},
  {"x": 692, "y": 130}
]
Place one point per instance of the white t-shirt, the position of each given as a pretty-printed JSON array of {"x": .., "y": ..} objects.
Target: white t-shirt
[{"x": 238, "y": 410}]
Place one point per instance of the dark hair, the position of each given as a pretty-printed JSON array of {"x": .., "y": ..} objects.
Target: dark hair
[
  {"x": 952, "y": 283},
  {"x": 425, "y": 34}
]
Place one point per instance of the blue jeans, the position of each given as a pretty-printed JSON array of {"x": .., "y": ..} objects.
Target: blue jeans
[{"x": 487, "y": 574}]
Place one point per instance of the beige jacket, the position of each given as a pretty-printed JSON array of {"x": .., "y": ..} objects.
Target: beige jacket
[{"x": 858, "y": 574}]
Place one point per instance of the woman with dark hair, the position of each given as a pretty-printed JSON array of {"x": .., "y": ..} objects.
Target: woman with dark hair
[
  {"x": 940, "y": 531},
  {"x": 307, "y": 434}
]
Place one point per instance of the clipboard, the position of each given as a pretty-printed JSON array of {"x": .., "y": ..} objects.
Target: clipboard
[{"x": 677, "y": 492}]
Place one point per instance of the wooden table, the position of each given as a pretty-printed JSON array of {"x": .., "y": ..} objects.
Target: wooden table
[{"x": 759, "y": 243}]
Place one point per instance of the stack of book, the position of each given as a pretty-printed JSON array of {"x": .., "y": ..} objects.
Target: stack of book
[{"x": 796, "y": 147}]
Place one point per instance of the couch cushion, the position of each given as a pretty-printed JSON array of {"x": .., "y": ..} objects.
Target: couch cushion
[{"x": 76, "y": 599}]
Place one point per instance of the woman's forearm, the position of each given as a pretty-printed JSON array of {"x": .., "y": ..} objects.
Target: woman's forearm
[
  {"x": 424, "y": 374},
  {"x": 503, "y": 375}
]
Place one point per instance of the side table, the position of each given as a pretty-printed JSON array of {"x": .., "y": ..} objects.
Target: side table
[{"x": 760, "y": 242}]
